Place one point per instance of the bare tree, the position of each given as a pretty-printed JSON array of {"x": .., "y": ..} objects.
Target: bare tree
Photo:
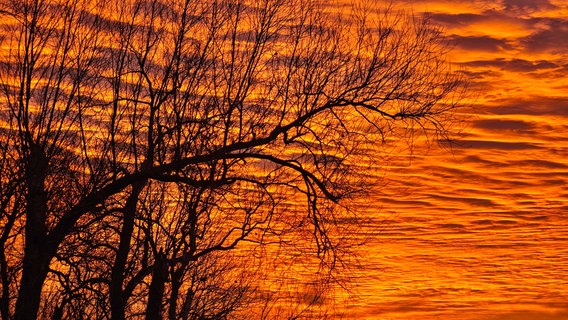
[
  {"x": 142, "y": 140},
  {"x": 10, "y": 220}
]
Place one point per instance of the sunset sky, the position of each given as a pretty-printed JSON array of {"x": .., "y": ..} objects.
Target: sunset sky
[
  {"x": 479, "y": 230},
  {"x": 227, "y": 157}
]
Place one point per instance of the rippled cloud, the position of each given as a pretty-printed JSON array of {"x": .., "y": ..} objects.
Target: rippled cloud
[
  {"x": 515, "y": 65},
  {"x": 550, "y": 36},
  {"x": 480, "y": 43},
  {"x": 489, "y": 221}
]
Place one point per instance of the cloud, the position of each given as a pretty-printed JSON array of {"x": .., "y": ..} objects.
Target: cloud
[
  {"x": 482, "y": 161},
  {"x": 538, "y": 106},
  {"x": 515, "y": 65},
  {"x": 479, "y": 43},
  {"x": 500, "y": 125},
  {"x": 531, "y": 315},
  {"x": 457, "y": 19},
  {"x": 479, "y": 76},
  {"x": 499, "y": 145},
  {"x": 540, "y": 164},
  {"x": 550, "y": 37},
  {"x": 527, "y": 6},
  {"x": 516, "y": 25},
  {"x": 471, "y": 201}
]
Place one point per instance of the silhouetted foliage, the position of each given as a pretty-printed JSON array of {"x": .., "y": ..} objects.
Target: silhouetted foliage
[{"x": 143, "y": 141}]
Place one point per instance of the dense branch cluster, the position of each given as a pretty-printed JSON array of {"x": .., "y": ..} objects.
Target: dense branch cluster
[{"x": 142, "y": 140}]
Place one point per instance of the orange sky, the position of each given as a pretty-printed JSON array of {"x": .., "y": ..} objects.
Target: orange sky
[{"x": 481, "y": 231}]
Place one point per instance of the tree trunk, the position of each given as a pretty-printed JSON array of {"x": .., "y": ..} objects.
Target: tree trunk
[
  {"x": 156, "y": 292},
  {"x": 58, "y": 312},
  {"x": 4, "y": 276},
  {"x": 35, "y": 269},
  {"x": 117, "y": 298},
  {"x": 38, "y": 250},
  {"x": 174, "y": 294},
  {"x": 5, "y": 298}
]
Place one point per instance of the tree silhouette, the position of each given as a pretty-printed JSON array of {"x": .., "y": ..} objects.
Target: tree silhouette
[{"x": 143, "y": 140}]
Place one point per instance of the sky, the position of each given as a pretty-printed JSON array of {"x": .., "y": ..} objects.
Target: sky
[{"x": 479, "y": 229}]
